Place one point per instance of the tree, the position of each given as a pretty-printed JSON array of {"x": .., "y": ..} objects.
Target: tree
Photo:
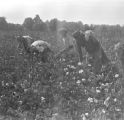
[
  {"x": 3, "y": 23},
  {"x": 39, "y": 25},
  {"x": 28, "y": 23},
  {"x": 53, "y": 24},
  {"x": 37, "y": 20}
]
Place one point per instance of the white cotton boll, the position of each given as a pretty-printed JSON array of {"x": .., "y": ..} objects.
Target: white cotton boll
[
  {"x": 103, "y": 111},
  {"x": 80, "y": 63},
  {"x": 116, "y": 75},
  {"x": 117, "y": 109},
  {"x": 98, "y": 91},
  {"x": 78, "y": 82},
  {"x": 63, "y": 59},
  {"x": 81, "y": 71},
  {"x": 90, "y": 99},
  {"x": 83, "y": 79},
  {"x": 115, "y": 100},
  {"x": 60, "y": 83},
  {"x": 42, "y": 98},
  {"x": 83, "y": 117},
  {"x": 107, "y": 84},
  {"x": 89, "y": 65},
  {"x": 7, "y": 84},
  {"x": 65, "y": 69},
  {"x": 67, "y": 73},
  {"x": 86, "y": 114},
  {"x": 73, "y": 67}
]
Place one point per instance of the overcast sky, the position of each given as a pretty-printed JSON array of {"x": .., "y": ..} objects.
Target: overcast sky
[{"x": 87, "y": 11}]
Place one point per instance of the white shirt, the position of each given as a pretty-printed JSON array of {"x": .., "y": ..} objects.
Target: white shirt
[{"x": 40, "y": 45}]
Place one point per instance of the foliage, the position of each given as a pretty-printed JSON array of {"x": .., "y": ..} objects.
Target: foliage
[
  {"x": 53, "y": 24},
  {"x": 28, "y": 23},
  {"x": 60, "y": 89},
  {"x": 3, "y": 23}
]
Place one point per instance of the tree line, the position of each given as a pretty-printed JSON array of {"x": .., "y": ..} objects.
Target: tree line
[
  {"x": 37, "y": 24},
  {"x": 62, "y": 87}
]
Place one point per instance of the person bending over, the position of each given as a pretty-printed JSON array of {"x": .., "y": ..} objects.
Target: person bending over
[{"x": 93, "y": 47}]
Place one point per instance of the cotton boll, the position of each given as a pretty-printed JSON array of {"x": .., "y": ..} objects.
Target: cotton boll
[
  {"x": 81, "y": 71},
  {"x": 116, "y": 75}
]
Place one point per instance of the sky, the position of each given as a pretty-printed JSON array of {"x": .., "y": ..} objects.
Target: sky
[{"x": 88, "y": 11}]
